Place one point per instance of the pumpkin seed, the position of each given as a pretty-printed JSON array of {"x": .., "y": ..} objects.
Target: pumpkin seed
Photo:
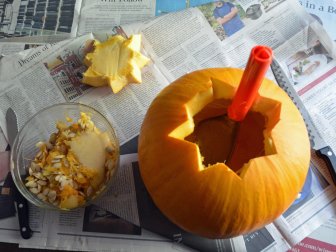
[
  {"x": 31, "y": 184},
  {"x": 42, "y": 182},
  {"x": 52, "y": 195},
  {"x": 109, "y": 149},
  {"x": 34, "y": 190},
  {"x": 41, "y": 197},
  {"x": 45, "y": 191},
  {"x": 57, "y": 165}
]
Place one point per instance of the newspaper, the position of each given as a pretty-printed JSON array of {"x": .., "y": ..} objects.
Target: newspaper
[
  {"x": 322, "y": 239},
  {"x": 324, "y": 12},
  {"x": 56, "y": 20},
  {"x": 52, "y": 21},
  {"x": 38, "y": 77}
]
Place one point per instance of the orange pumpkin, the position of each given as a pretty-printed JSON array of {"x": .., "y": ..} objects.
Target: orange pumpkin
[{"x": 181, "y": 145}]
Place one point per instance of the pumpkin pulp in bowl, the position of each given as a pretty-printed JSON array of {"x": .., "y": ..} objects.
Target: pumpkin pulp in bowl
[
  {"x": 184, "y": 141},
  {"x": 65, "y": 156}
]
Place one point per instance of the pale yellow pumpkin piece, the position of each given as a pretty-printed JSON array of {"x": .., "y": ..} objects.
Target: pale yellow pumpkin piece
[
  {"x": 88, "y": 56},
  {"x": 90, "y": 77},
  {"x": 134, "y": 42},
  {"x": 118, "y": 83},
  {"x": 115, "y": 62},
  {"x": 105, "y": 58},
  {"x": 70, "y": 198}
]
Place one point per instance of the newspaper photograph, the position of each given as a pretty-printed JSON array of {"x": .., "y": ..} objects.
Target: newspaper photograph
[
  {"x": 20, "y": 18},
  {"x": 34, "y": 76}
]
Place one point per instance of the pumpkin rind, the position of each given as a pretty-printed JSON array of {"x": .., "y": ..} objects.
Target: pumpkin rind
[{"x": 215, "y": 201}]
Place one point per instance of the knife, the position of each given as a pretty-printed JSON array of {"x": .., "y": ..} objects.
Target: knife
[
  {"x": 21, "y": 202},
  {"x": 322, "y": 149}
]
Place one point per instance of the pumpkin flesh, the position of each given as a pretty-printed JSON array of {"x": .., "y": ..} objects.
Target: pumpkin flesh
[{"x": 210, "y": 198}]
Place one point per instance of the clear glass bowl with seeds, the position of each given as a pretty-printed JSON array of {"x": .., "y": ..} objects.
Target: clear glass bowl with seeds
[{"x": 65, "y": 156}]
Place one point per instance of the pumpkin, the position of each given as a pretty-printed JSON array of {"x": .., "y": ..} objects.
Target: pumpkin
[{"x": 181, "y": 142}]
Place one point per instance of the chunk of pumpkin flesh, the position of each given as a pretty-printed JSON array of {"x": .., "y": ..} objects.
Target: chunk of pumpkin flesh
[
  {"x": 92, "y": 78},
  {"x": 105, "y": 58},
  {"x": 115, "y": 62}
]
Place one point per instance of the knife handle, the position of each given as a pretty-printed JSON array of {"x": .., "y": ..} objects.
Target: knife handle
[
  {"x": 23, "y": 213},
  {"x": 329, "y": 157}
]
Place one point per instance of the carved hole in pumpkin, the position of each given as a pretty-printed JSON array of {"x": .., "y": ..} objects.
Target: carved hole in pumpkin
[{"x": 214, "y": 135}]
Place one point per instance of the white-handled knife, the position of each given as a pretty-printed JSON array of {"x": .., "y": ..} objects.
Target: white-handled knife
[{"x": 322, "y": 149}]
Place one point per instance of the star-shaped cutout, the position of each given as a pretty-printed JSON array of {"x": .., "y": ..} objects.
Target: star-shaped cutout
[
  {"x": 217, "y": 137},
  {"x": 115, "y": 62}
]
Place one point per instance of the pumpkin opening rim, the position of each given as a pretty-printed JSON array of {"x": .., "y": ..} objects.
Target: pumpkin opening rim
[{"x": 268, "y": 108}]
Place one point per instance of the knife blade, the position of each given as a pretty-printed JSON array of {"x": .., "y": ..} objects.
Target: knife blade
[
  {"x": 323, "y": 150},
  {"x": 21, "y": 202},
  {"x": 12, "y": 126}
]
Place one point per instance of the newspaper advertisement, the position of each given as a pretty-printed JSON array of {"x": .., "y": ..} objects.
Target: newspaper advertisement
[{"x": 195, "y": 38}]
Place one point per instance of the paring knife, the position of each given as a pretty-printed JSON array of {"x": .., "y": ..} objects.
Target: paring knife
[
  {"x": 322, "y": 149},
  {"x": 21, "y": 202}
]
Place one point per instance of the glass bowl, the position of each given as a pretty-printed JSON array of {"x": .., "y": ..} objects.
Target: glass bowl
[{"x": 66, "y": 174}]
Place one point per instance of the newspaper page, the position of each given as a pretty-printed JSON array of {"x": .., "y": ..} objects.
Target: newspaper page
[
  {"x": 311, "y": 68},
  {"x": 9, "y": 230},
  {"x": 11, "y": 48},
  {"x": 194, "y": 39},
  {"x": 314, "y": 206},
  {"x": 322, "y": 239},
  {"x": 199, "y": 41}
]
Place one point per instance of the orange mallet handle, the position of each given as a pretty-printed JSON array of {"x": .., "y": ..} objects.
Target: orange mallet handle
[{"x": 254, "y": 73}]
